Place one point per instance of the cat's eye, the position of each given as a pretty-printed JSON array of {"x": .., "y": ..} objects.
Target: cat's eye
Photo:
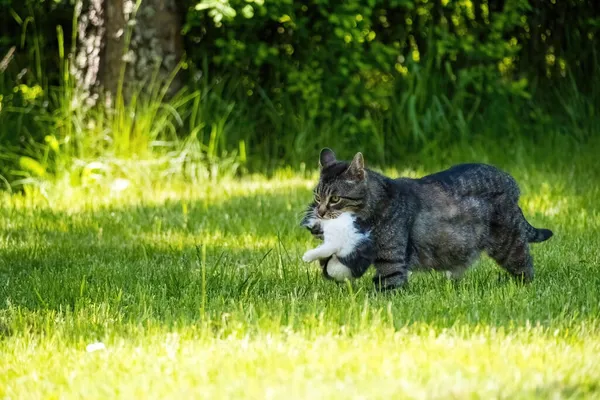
[
  {"x": 317, "y": 198},
  {"x": 334, "y": 199}
]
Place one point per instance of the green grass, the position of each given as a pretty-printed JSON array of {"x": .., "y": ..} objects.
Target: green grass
[{"x": 199, "y": 289}]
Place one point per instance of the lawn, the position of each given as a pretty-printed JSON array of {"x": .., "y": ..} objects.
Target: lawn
[{"x": 200, "y": 290}]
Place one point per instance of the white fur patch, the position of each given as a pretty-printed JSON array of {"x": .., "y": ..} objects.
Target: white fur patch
[
  {"x": 338, "y": 271},
  {"x": 340, "y": 239},
  {"x": 340, "y": 233}
]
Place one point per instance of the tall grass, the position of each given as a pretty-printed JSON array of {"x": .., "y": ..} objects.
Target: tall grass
[
  {"x": 212, "y": 127},
  {"x": 429, "y": 116},
  {"x": 47, "y": 134}
]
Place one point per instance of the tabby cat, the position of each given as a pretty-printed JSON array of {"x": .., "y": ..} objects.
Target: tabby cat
[{"x": 438, "y": 222}]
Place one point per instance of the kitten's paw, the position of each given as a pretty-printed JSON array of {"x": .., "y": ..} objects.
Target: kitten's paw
[{"x": 309, "y": 256}]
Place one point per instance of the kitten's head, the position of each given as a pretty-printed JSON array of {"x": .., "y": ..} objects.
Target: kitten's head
[{"x": 342, "y": 185}]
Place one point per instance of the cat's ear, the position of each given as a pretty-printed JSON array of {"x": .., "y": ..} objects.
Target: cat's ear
[
  {"x": 327, "y": 157},
  {"x": 357, "y": 167}
]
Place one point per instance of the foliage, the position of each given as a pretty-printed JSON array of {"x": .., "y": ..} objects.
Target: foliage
[
  {"x": 48, "y": 133},
  {"x": 359, "y": 62},
  {"x": 345, "y": 61},
  {"x": 269, "y": 83}
]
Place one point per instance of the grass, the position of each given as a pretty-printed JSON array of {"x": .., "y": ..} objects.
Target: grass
[
  {"x": 130, "y": 230},
  {"x": 199, "y": 289}
]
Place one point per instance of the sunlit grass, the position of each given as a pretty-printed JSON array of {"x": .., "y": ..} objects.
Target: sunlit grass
[
  {"x": 200, "y": 290},
  {"x": 379, "y": 363}
]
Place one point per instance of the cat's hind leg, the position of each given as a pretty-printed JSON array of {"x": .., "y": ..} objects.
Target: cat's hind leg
[{"x": 337, "y": 271}]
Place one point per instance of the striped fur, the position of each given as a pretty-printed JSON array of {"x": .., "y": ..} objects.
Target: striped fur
[{"x": 441, "y": 221}]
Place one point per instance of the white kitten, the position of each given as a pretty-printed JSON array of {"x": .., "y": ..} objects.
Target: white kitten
[{"x": 341, "y": 239}]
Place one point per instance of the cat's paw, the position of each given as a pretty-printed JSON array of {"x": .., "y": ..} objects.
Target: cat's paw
[
  {"x": 309, "y": 256},
  {"x": 392, "y": 282}
]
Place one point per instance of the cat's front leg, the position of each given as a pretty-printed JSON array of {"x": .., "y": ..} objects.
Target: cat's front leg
[
  {"x": 323, "y": 251},
  {"x": 390, "y": 275},
  {"x": 391, "y": 265}
]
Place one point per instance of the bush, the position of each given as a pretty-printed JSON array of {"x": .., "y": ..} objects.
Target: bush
[
  {"x": 345, "y": 60},
  {"x": 403, "y": 73},
  {"x": 279, "y": 79}
]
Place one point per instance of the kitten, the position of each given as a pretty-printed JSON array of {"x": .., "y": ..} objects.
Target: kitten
[
  {"x": 347, "y": 248},
  {"x": 441, "y": 222}
]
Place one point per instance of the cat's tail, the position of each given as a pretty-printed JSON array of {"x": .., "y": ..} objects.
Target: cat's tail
[{"x": 535, "y": 235}]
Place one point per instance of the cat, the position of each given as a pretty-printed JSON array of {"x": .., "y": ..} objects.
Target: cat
[
  {"x": 347, "y": 247},
  {"x": 442, "y": 221}
]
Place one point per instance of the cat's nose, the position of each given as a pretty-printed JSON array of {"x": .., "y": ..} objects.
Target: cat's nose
[{"x": 321, "y": 211}]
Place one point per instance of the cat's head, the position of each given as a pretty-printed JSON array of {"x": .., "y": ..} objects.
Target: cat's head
[{"x": 342, "y": 185}]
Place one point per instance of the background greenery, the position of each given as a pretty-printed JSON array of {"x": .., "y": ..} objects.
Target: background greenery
[
  {"x": 130, "y": 225},
  {"x": 269, "y": 83}
]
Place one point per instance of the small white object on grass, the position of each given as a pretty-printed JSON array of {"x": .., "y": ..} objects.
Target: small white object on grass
[
  {"x": 120, "y": 184},
  {"x": 90, "y": 348}
]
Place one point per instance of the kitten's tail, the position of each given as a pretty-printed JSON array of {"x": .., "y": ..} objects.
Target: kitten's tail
[{"x": 535, "y": 235}]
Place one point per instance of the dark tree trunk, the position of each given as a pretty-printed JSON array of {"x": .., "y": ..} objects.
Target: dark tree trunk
[{"x": 117, "y": 44}]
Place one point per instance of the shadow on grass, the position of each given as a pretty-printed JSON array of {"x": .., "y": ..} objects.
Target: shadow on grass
[
  {"x": 561, "y": 390},
  {"x": 239, "y": 260},
  {"x": 161, "y": 263}
]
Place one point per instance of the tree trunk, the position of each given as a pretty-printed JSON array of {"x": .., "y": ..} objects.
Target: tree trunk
[{"x": 119, "y": 46}]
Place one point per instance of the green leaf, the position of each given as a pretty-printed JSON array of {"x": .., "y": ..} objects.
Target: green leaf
[{"x": 30, "y": 165}]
